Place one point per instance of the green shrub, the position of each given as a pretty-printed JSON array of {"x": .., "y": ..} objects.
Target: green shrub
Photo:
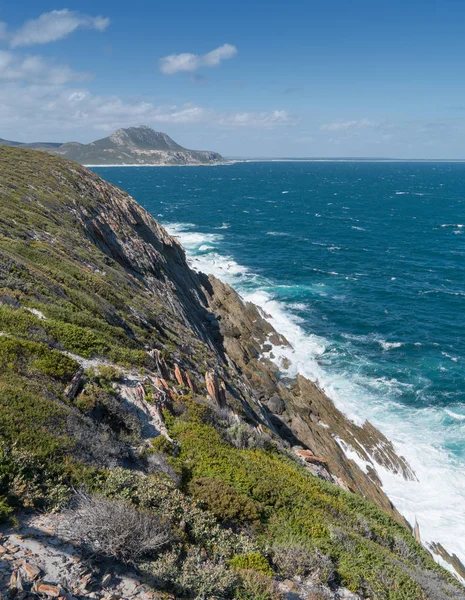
[
  {"x": 160, "y": 494},
  {"x": 109, "y": 372},
  {"x": 223, "y": 500},
  {"x": 5, "y": 509},
  {"x": 161, "y": 444},
  {"x": 56, "y": 365},
  {"x": 201, "y": 577},
  {"x": 255, "y": 562},
  {"x": 20, "y": 355}
]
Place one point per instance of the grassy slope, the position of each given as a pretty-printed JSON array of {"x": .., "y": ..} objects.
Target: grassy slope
[{"x": 95, "y": 306}]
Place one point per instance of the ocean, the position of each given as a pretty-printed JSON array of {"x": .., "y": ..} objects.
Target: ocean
[{"x": 362, "y": 267}]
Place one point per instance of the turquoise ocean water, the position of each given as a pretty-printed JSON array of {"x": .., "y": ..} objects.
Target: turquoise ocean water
[{"x": 362, "y": 267}]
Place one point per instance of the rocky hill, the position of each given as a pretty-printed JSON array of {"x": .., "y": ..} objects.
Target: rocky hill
[
  {"x": 132, "y": 146},
  {"x": 147, "y": 448}
]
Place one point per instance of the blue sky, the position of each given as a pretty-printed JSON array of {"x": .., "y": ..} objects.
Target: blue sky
[{"x": 295, "y": 78}]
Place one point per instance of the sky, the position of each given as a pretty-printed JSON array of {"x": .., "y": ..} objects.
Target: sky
[{"x": 301, "y": 78}]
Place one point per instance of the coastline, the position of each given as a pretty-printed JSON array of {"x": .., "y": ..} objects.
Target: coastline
[
  {"x": 412, "y": 497},
  {"x": 217, "y": 164},
  {"x": 296, "y": 160}
]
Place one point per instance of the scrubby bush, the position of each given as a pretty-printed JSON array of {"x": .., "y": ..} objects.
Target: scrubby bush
[
  {"x": 109, "y": 373},
  {"x": 254, "y": 561},
  {"x": 295, "y": 504},
  {"x": 223, "y": 500},
  {"x": 304, "y": 561},
  {"x": 203, "y": 578},
  {"x": 115, "y": 529},
  {"x": 18, "y": 355},
  {"x": 193, "y": 574},
  {"x": 159, "y": 493},
  {"x": 256, "y": 586},
  {"x": 243, "y": 436},
  {"x": 28, "y": 481},
  {"x": 5, "y": 509},
  {"x": 161, "y": 444},
  {"x": 435, "y": 587}
]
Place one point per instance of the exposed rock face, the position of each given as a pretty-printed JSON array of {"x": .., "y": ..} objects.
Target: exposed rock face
[{"x": 307, "y": 417}]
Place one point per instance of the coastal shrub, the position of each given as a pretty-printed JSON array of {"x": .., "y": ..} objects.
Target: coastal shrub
[
  {"x": 255, "y": 562},
  {"x": 27, "y": 481},
  {"x": 435, "y": 587},
  {"x": 303, "y": 561},
  {"x": 106, "y": 407},
  {"x": 243, "y": 436},
  {"x": 159, "y": 493},
  {"x": 352, "y": 538},
  {"x": 256, "y": 586},
  {"x": 5, "y": 509},
  {"x": 106, "y": 373},
  {"x": 30, "y": 421},
  {"x": 204, "y": 578},
  {"x": 56, "y": 365},
  {"x": 115, "y": 529},
  {"x": 161, "y": 444},
  {"x": 223, "y": 500},
  {"x": 18, "y": 355}
]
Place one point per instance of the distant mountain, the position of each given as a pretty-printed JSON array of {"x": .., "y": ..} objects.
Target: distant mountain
[
  {"x": 34, "y": 145},
  {"x": 131, "y": 146}
]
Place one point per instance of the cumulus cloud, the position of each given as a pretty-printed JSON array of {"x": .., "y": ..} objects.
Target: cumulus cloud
[
  {"x": 188, "y": 62},
  {"x": 33, "y": 69},
  {"x": 348, "y": 125},
  {"x": 52, "y": 110},
  {"x": 52, "y": 26}
]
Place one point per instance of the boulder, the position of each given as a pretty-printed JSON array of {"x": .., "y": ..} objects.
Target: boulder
[
  {"x": 309, "y": 457},
  {"x": 276, "y": 405},
  {"x": 30, "y": 572},
  {"x": 51, "y": 591}
]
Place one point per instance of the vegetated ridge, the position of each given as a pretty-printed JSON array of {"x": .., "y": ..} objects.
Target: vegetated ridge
[
  {"x": 146, "y": 446},
  {"x": 131, "y": 146}
]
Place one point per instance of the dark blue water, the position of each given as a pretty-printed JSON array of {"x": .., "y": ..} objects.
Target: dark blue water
[{"x": 362, "y": 266}]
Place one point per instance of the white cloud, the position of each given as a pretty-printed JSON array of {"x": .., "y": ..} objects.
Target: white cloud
[
  {"x": 35, "y": 110},
  {"x": 267, "y": 119},
  {"x": 348, "y": 125},
  {"x": 188, "y": 62},
  {"x": 33, "y": 69},
  {"x": 52, "y": 26}
]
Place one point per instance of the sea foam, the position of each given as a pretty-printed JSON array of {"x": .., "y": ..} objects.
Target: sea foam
[{"x": 421, "y": 435}]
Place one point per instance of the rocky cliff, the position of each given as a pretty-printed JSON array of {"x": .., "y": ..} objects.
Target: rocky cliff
[{"x": 132, "y": 386}]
